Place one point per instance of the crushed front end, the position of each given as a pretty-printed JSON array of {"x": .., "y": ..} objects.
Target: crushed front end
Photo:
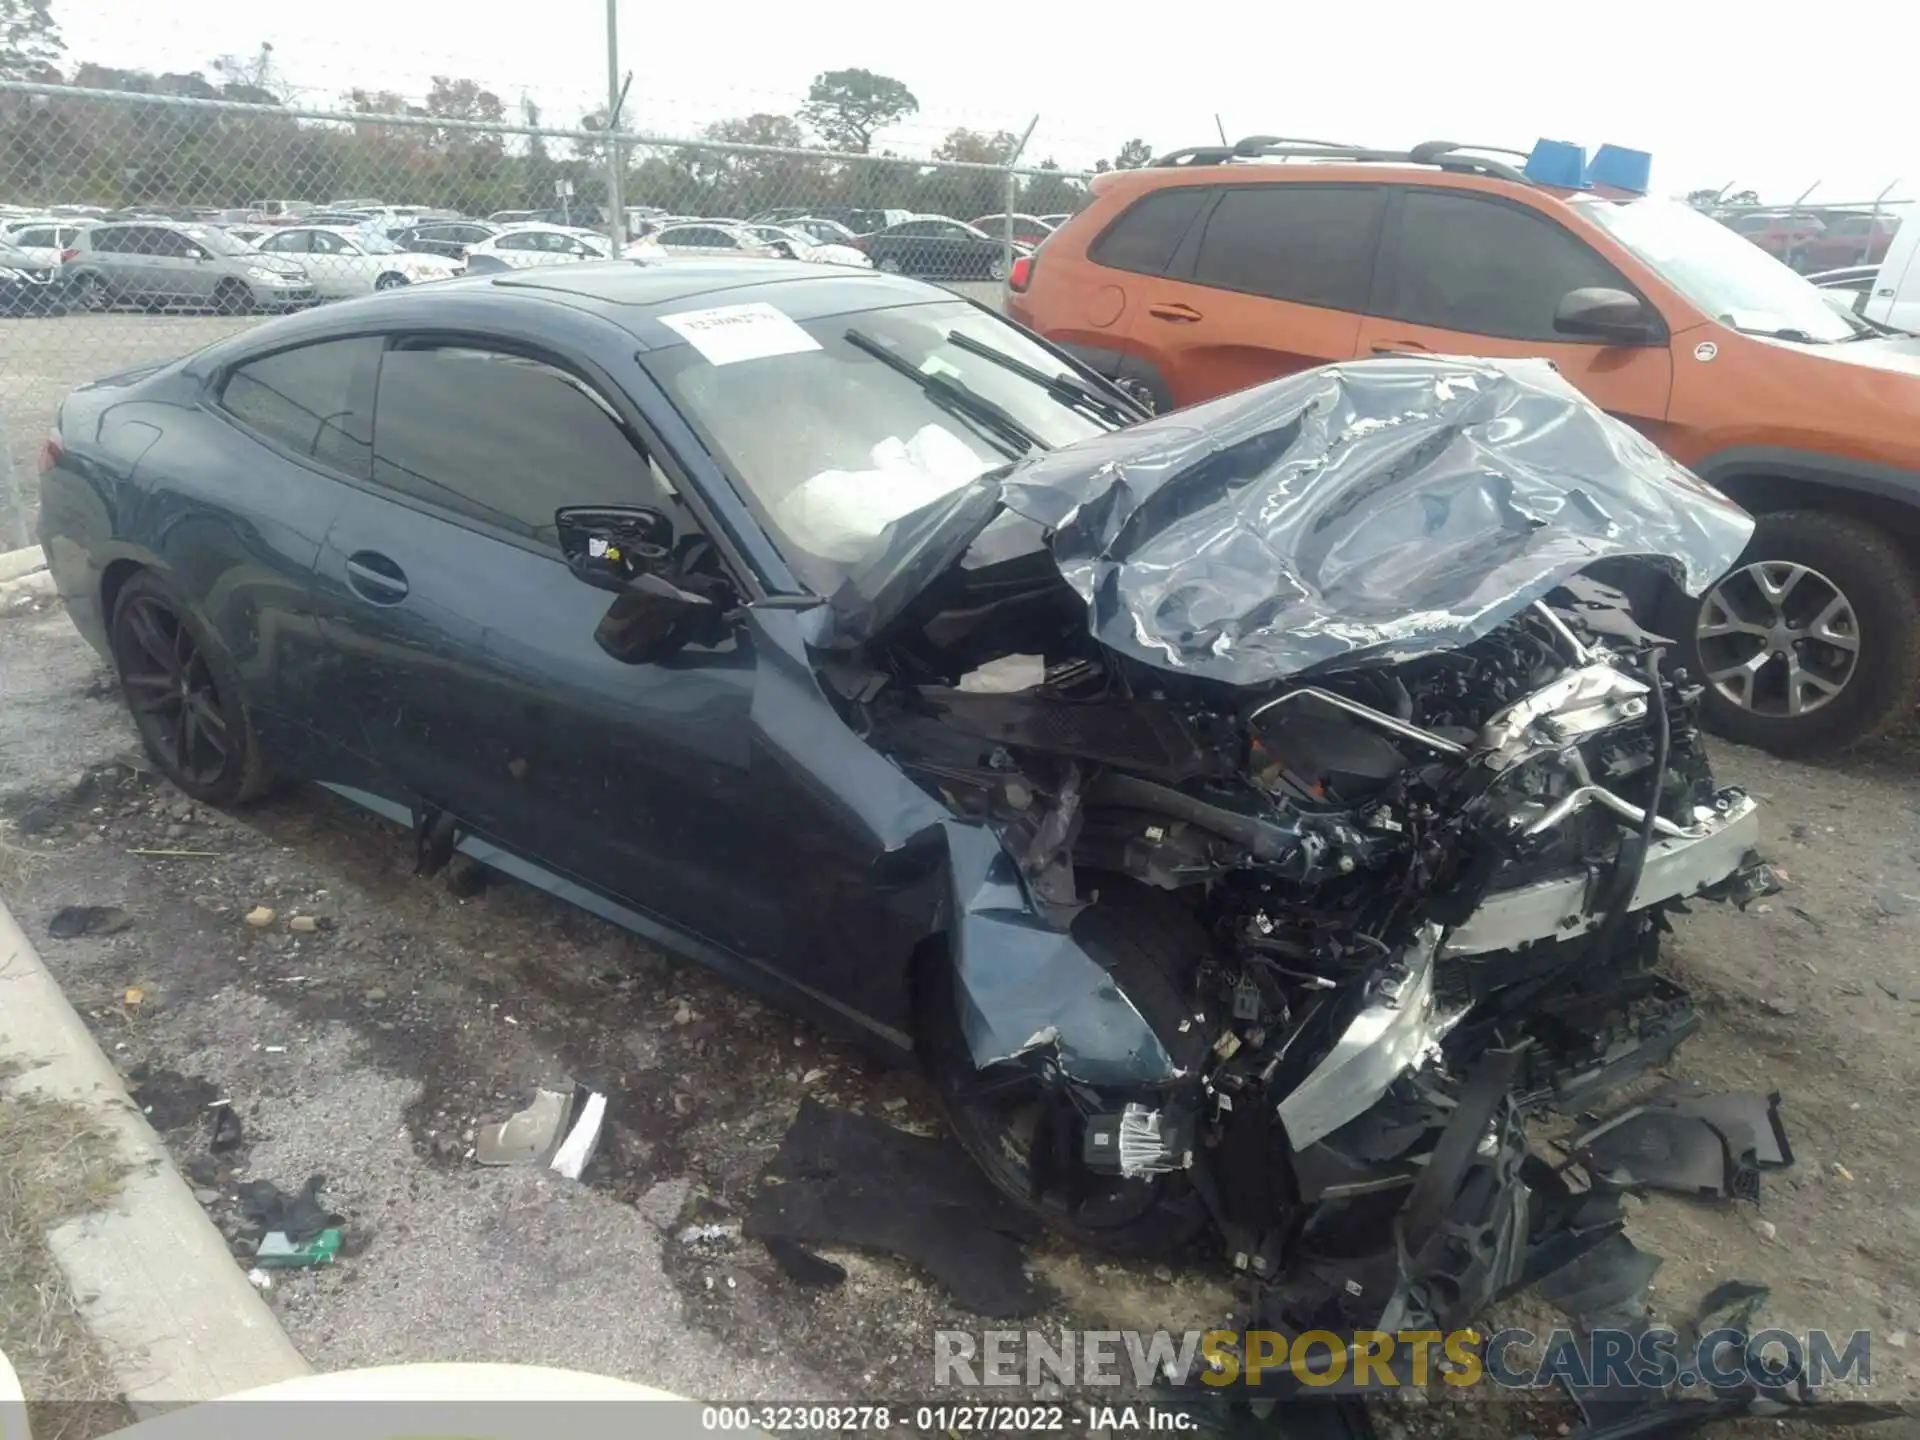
[{"x": 1335, "y": 665}]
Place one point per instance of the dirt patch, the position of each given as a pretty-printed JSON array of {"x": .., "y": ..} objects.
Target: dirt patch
[{"x": 54, "y": 1164}]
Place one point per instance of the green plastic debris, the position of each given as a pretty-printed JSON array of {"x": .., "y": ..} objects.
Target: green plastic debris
[{"x": 277, "y": 1252}]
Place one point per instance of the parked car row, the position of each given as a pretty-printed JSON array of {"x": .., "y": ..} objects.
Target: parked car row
[{"x": 1813, "y": 242}]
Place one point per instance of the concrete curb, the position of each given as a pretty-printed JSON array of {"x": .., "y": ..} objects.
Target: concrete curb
[
  {"x": 15, "y": 563},
  {"x": 175, "y": 1315}
]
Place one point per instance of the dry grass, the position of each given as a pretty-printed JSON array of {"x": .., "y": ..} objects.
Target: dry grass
[{"x": 54, "y": 1164}]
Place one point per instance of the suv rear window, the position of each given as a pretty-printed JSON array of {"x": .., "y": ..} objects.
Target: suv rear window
[
  {"x": 1485, "y": 267},
  {"x": 1144, "y": 238},
  {"x": 1312, "y": 244}
]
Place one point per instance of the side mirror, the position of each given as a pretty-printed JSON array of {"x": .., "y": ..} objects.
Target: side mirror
[
  {"x": 1605, "y": 314},
  {"x": 611, "y": 546}
]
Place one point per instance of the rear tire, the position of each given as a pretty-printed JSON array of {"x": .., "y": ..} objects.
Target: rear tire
[
  {"x": 1876, "y": 582},
  {"x": 889, "y": 264},
  {"x": 392, "y": 280},
  {"x": 1150, "y": 945},
  {"x": 184, "y": 695}
]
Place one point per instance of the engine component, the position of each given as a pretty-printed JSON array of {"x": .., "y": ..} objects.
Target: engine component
[{"x": 1138, "y": 1141}]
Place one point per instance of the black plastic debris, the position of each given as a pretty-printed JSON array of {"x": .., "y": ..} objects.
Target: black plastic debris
[
  {"x": 1691, "y": 1142},
  {"x": 70, "y": 922},
  {"x": 170, "y": 1100},
  {"x": 268, "y": 1208},
  {"x": 1731, "y": 1307},
  {"x": 224, "y": 1132},
  {"x": 801, "y": 1265},
  {"x": 849, "y": 1179}
]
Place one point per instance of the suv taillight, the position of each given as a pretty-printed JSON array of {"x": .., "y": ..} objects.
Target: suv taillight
[
  {"x": 51, "y": 451},
  {"x": 69, "y": 254},
  {"x": 1022, "y": 275}
]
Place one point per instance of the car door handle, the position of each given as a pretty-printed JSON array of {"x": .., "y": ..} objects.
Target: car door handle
[
  {"x": 1401, "y": 347},
  {"x": 1173, "y": 312},
  {"x": 375, "y": 578}
]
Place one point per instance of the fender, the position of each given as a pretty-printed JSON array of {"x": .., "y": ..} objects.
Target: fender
[{"x": 1768, "y": 476}]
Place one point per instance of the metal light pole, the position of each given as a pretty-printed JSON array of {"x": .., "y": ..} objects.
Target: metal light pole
[
  {"x": 1006, "y": 238},
  {"x": 616, "y": 208}
]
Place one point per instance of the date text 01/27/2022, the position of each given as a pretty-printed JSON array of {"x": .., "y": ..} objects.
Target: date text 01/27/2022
[{"x": 925, "y": 1419}]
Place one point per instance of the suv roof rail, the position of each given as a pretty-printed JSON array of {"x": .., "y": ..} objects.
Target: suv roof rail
[{"x": 1445, "y": 154}]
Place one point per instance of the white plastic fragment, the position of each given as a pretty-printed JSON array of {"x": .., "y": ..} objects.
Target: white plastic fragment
[{"x": 577, "y": 1149}]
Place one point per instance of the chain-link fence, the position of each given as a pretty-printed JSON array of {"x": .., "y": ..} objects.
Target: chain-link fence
[{"x": 140, "y": 226}]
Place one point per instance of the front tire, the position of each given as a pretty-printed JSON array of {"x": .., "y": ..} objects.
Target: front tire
[
  {"x": 1150, "y": 945},
  {"x": 184, "y": 695},
  {"x": 87, "y": 292},
  {"x": 390, "y": 281},
  {"x": 1811, "y": 642},
  {"x": 230, "y": 297},
  {"x": 890, "y": 264}
]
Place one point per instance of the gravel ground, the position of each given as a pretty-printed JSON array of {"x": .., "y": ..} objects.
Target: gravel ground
[{"x": 370, "y": 1049}]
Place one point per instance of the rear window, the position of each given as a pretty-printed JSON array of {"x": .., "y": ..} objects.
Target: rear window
[
  {"x": 1312, "y": 244},
  {"x": 1144, "y": 238}
]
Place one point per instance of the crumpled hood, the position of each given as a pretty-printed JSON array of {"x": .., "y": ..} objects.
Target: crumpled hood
[{"x": 1366, "y": 512}]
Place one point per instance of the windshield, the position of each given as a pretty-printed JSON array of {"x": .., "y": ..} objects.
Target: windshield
[
  {"x": 1729, "y": 277},
  {"x": 834, "y": 443}
]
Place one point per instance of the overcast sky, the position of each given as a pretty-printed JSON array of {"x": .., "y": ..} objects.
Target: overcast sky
[{"x": 1718, "y": 91}]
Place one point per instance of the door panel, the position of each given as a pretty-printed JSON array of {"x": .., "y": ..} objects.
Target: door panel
[
  {"x": 1268, "y": 281},
  {"x": 1468, "y": 274},
  {"x": 471, "y": 667},
  {"x": 1633, "y": 382}
]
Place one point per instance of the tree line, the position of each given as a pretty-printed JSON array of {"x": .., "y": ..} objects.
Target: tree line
[{"x": 55, "y": 149}]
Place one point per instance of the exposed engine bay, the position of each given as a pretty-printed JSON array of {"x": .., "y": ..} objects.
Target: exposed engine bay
[{"x": 1428, "y": 832}]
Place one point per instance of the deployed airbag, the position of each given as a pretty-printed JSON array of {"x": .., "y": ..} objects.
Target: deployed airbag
[{"x": 1373, "y": 511}]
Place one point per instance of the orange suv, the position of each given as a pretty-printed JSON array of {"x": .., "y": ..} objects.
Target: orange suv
[{"x": 1218, "y": 268}]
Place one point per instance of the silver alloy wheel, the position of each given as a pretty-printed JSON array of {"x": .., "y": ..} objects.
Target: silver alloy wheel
[{"x": 1777, "y": 638}]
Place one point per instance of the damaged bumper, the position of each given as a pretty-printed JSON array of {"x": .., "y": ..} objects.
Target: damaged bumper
[{"x": 1720, "y": 847}]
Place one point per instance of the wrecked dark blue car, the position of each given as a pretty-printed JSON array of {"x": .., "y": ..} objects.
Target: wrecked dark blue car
[{"x": 1203, "y": 797}]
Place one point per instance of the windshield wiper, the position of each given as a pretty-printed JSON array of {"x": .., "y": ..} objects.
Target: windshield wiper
[
  {"x": 1799, "y": 337},
  {"x": 1069, "y": 390},
  {"x": 1015, "y": 439}
]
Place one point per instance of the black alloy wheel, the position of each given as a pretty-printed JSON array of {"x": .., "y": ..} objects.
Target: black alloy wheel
[{"x": 183, "y": 696}]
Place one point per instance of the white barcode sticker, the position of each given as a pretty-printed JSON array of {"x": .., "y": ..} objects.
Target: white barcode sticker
[{"x": 732, "y": 333}]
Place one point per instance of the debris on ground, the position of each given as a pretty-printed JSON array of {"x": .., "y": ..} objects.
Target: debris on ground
[
  {"x": 170, "y": 1100},
  {"x": 70, "y": 922},
  {"x": 224, "y": 1132},
  {"x": 1692, "y": 1143},
  {"x": 527, "y": 1137},
  {"x": 261, "y": 916},
  {"x": 280, "y": 1251},
  {"x": 577, "y": 1149},
  {"x": 304, "y": 924},
  {"x": 300, "y": 1217},
  {"x": 847, "y": 1179}
]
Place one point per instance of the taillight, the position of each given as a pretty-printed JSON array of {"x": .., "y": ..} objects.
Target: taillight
[
  {"x": 66, "y": 255},
  {"x": 50, "y": 452},
  {"x": 1022, "y": 275}
]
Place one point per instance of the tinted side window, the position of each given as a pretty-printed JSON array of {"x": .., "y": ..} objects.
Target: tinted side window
[
  {"x": 34, "y": 238},
  {"x": 503, "y": 439},
  {"x": 311, "y": 400},
  {"x": 1145, "y": 237},
  {"x": 1486, "y": 268},
  {"x": 107, "y": 242},
  {"x": 1312, "y": 244}
]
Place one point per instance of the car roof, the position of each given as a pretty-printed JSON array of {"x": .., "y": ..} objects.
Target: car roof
[{"x": 631, "y": 294}]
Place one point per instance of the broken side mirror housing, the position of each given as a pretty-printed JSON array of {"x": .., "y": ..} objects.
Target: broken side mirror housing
[
  {"x": 1603, "y": 313},
  {"x": 611, "y": 546}
]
